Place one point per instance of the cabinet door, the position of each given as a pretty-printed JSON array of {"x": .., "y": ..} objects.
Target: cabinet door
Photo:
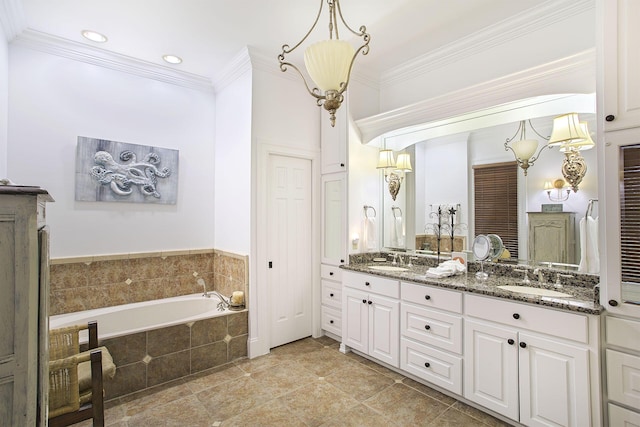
[
  {"x": 384, "y": 329},
  {"x": 491, "y": 367},
  {"x": 551, "y": 238},
  {"x": 355, "y": 315},
  {"x": 554, "y": 383},
  {"x": 333, "y": 141},
  {"x": 621, "y": 64},
  {"x": 334, "y": 219}
]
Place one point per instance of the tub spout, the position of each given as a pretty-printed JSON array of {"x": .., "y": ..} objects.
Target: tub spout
[{"x": 202, "y": 283}]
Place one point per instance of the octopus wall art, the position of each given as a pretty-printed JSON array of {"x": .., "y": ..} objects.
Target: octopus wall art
[{"x": 122, "y": 172}]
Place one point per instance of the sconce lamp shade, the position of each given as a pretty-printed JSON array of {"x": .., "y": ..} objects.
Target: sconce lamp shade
[
  {"x": 567, "y": 130},
  {"x": 524, "y": 148},
  {"x": 386, "y": 160},
  {"x": 404, "y": 163},
  {"x": 328, "y": 63},
  {"x": 585, "y": 144},
  {"x": 548, "y": 185}
]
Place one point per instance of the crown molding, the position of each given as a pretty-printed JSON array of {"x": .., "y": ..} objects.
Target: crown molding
[
  {"x": 573, "y": 74},
  {"x": 533, "y": 19},
  {"x": 91, "y": 55},
  {"x": 12, "y": 18},
  {"x": 239, "y": 64}
]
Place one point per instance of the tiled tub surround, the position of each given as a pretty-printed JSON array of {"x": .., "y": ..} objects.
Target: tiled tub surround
[
  {"x": 85, "y": 283},
  {"x": 147, "y": 359},
  {"x": 582, "y": 287}
]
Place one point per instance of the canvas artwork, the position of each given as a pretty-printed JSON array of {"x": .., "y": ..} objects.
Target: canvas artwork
[{"x": 112, "y": 171}]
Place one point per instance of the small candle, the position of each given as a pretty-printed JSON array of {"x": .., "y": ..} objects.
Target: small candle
[{"x": 237, "y": 298}]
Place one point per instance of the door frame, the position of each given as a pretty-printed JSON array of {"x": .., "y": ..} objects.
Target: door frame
[{"x": 259, "y": 310}]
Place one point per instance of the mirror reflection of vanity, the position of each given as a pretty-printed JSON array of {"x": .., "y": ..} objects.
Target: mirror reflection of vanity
[{"x": 444, "y": 155}]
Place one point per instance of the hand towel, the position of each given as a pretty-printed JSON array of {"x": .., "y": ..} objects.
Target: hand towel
[
  {"x": 370, "y": 243},
  {"x": 589, "y": 255}
]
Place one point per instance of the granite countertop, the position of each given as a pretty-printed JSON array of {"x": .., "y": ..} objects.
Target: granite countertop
[{"x": 584, "y": 296}]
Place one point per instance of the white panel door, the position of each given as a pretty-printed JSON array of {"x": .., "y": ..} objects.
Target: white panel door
[
  {"x": 491, "y": 367},
  {"x": 355, "y": 320},
  {"x": 384, "y": 329},
  {"x": 289, "y": 249},
  {"x": 554, "y": 385}
]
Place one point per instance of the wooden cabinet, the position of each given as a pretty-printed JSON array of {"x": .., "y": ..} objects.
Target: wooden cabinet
[
  {"x": 23, "y": 306},
  {"x": 533, "y": 378},
  {"x": 552, "y": 237},
  {"x": 370, "y": 319},
  {"x": 620, "y": 64}
]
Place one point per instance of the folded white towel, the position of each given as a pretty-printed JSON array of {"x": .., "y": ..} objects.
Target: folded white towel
[
  {"x": 446, "y": 269},
  {"x": 370, "y": 242}
]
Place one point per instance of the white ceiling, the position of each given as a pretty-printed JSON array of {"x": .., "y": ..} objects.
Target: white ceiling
[{"x": 207, "y": 34}]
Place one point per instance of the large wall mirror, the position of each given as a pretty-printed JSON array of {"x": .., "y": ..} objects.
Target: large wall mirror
[{"x": 437, "y": 199}]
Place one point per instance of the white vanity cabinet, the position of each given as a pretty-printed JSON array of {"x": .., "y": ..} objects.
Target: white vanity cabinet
[
  {"x": 431, "y": 335},
  {"x": 331, "y": 308},
  {"x": 537, "y": 366},
  {"x": 371, "y": 316}
]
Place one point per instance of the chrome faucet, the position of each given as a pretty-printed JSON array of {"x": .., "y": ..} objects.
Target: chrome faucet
[
  {"x": 540, "y": 275},
  {"x": 525, "y": 279}
]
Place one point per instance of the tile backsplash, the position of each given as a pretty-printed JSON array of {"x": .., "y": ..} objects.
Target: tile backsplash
[{"x": 85, "y": 283}]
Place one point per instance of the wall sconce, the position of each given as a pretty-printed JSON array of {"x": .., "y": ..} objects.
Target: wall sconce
[
  {"x": 387, "y": 163},
  {"x": 328, "y": 62},
  {"x": 572, "y": 136},
  {"x": 557, "y": 185},
  {"x": 524, "y": 149}
]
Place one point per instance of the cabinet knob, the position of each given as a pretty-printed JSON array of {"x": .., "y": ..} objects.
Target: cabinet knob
[
  {"x": 523, "y": 345},
  {"x": 341, "y": 165},
  {"x": 331, "y": 295},
  {"x": 331, "y": 273},
  {"x": 427, "y": 327},
  {"x": 427, "y": 297},
  {"x": 610, "y": 118},
  {"x": 516, "y": 316},
  {"x": 331, "y": 321},
  {"x": 370, "y": 302},
  {"x": 364, "y": 301},
  {"x": 427, "y": 364},
  {"x": 341, "y": 261},
  {"x": 613, "y": 303},
  {"x": 367, "y": 283},
  {"x": 510, "y": 341}
]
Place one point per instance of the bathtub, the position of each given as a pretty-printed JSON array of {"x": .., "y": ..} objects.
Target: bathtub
[{"x": 143, "y": 316}]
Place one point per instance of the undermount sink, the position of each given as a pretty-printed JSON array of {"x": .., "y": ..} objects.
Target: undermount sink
[
  {"x": 387, "y": 268},
  {"x": 534, "y": 291}
]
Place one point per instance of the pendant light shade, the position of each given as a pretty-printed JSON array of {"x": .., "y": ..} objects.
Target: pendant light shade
[
  {"x": 524, "y": 148},
  {"x": 328, "y": 63}
]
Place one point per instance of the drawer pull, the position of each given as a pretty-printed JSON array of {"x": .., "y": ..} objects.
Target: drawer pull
[
  {"x": 427, "y": 297},
  {"x": 427, "y": 327},
  {"x": 367, "y": 284},
  {"x": 523, "y": 345},
  {"x": 370, "y": 302},
  {"x": 331, "y": 273},
  {"x": 427, "y": 364},
  {"x": 613, "y": 303},
  {"x": 331, "y": 321},
  {"x": 510, "y": 341},
  {"x": 516, "y": 316}
]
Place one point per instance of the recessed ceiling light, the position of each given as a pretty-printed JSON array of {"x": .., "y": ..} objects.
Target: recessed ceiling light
[
  {"x": 94, "y": 36},
  {"x": 172, "y": 59}
]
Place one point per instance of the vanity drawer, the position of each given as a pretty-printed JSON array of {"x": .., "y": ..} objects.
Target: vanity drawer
[
  {"x": 431, "y": 327},
  {"x": 432, "y": 297},
  {"x": 623, "y": 378},
  {"x": 619, "y": 331},
  {"x": 369, "y": 283},
  {"x": 435, "y": 366},
  {"x": 522, "y": 316},
  {"x": 332, "y": 294},
  {"x": 331, "y": 320},
  {"x": 330, "y": 272}
]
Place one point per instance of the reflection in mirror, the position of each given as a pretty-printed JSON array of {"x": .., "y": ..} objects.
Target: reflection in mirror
[{"x": 443, "y": 176}]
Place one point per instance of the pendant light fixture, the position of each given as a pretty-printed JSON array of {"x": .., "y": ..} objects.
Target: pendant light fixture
[{"x": 328, "y": 62}]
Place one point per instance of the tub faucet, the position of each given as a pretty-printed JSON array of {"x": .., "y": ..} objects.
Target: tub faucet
[
  {"x": 223, "y": 304},
  {"x": 202, "y": 283}
]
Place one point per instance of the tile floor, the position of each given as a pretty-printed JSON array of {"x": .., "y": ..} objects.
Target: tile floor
[{"x": 305, "y": 383}]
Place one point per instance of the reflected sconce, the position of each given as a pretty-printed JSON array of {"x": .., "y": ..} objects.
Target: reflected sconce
[
  {"x": 572, "y": 136},
  {"x": 328, "y": 62},
  {"x": 394, "y": 171},
  {"x": 524, "y": 149},
  {"x": 559, "y": 186}
]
